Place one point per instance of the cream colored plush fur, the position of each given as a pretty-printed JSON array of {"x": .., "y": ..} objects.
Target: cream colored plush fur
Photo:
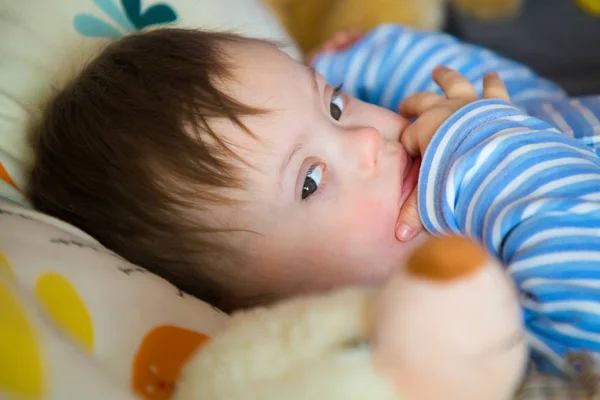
[{"x": 306, "y": 348}]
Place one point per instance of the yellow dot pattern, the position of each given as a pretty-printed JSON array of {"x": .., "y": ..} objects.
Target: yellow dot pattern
[
  {"x": 65, "y": 308},
  {"x": 5, "y": 267},
  {"x": 21, "y": 373},
  {"x": 156, "y": 367}
]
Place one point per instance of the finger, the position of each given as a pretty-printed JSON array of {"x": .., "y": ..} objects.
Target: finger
[
  {"x": 494, "y": 87},
  {"x": 409, "y": 223},
  {"x": 416, "y": 137},
  {"x": 410, "y": 140},
  {"x": 418, "y": 103},
  {"x": 453, "y": 84},
  {"x": 340, "y": 38}
]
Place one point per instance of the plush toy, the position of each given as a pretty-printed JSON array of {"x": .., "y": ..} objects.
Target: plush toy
[
  {"x": 445, "y": 326},
  {"x": 312, "y": 22}
]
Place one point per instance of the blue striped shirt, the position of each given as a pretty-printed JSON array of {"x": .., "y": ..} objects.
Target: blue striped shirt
[{"x": 523, "y": 179}]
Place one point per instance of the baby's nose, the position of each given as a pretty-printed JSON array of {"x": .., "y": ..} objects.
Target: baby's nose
[
  {"x": 366, "y": 143},
  {"x": 446, "y": 258}
]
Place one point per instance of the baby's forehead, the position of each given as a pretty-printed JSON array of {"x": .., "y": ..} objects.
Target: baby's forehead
[
  {"x": 256, "y": 52},
  {"x": 261, "y": 71}
]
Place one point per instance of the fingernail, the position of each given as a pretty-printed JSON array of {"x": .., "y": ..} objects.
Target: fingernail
[
  {"x": 439, "y": 68},
  {"x": 491, "y": 74},
  {"x": 405, "y": 232}
]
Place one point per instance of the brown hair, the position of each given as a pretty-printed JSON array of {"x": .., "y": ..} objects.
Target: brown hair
[{"x": 126, "y": 148}]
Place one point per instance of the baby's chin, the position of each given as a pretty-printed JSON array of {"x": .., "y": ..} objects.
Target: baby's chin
[{"x": 399, "y": 255}]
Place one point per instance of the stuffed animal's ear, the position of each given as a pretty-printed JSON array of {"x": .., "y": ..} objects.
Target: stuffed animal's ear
[{"x": 446, "y": 258}]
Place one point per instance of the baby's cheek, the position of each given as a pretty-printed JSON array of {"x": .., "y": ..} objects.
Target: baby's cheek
[
  {"x": 367, "y": 239},
  {"x": 371, "y": 220}
]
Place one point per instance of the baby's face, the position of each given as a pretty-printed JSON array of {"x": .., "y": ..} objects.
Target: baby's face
[{"x": 329, "y": 179}]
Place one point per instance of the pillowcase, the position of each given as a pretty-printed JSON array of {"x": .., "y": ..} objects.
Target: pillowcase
[{"x": 60, "y": 289}]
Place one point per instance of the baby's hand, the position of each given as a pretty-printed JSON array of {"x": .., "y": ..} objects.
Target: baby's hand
[{"x": 431, "y": 111}]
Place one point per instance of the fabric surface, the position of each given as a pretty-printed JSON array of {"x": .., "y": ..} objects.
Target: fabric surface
[{"x": 71, "y": 308}]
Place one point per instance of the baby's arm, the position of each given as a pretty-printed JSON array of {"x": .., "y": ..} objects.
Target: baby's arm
[
  {"x": 532, "y": 196},
  {"x": 393, "y": 62},
  {"x": 578, "y": 118}
]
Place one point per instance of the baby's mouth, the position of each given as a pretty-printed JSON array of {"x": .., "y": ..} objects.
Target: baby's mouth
[{"x": 411, "y": 175}]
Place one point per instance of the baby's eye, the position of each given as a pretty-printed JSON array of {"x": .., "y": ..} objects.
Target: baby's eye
[
  {"x": 313, "y": 179},
  {"x": 336, "y": 106}
]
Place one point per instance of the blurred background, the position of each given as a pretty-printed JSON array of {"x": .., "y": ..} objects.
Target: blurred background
[{"x": 559, "y": 39}]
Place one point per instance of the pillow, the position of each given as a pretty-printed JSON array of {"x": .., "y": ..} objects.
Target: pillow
[
  {"x": 43, "y": 43},
  {"x": 116, "y": 317},
  {"x": 85, "y": 303},
  {"x": 40, "y": 363}
]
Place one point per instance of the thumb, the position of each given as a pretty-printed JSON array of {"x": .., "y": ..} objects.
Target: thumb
[
  {"x": 410, "y": 140},
  {"x": 409, "y": 223}
]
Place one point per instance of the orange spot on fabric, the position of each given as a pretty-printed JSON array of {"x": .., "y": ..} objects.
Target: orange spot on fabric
[
  {"x": 159, "y": 359},
  {"x": 6, "y": 178},
  {"x": 65, "y": 308}
]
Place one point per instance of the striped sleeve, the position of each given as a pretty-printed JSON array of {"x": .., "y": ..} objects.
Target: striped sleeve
[
  {"x": 532, "y": 197},
  {"x": 392, "y": 62},
  {"x": 578, "y": 118}
]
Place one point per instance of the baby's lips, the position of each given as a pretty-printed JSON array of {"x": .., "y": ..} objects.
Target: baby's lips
[{"x": 410, "y": 180}]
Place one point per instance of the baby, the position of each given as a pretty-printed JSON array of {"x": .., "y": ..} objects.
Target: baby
[{"x": 243, "y": 177}]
